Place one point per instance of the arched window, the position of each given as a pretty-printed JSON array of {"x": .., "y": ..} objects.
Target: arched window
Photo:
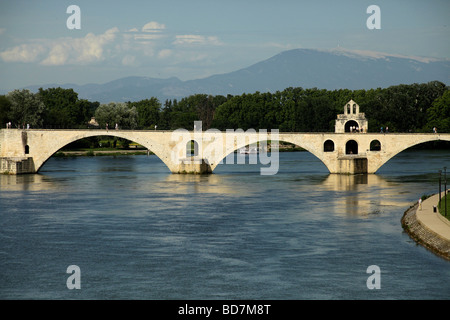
[
  {"x": 348, "y": 108},
  {"x": 328, "y": 146},
  {"x": 192, "y": 148},
  {"x": 354, "y": 108},
  {"x": 375, "y": 145},
  {"x": 351, "y": 125},
  {"x": 27, "y": 149},
  {"x": 351, "y": 147}
]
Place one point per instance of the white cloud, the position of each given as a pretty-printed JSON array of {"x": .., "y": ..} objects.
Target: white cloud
[
  {"x": 58, "y": 55},
  {"x": 192, "y": 39},
  {"x": 153, "y": 26},
  {"x": 149, "y": 32},
  {"x": 23, "y": 53},
  {"x": 147, "y": 36},
  {"x": 80, "y": 50},
  {"x": 62, "y": 51},
  {"x": 146, "y": 46}
]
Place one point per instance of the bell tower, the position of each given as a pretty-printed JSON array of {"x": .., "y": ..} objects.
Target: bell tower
[{"x": 351, "y": 120}]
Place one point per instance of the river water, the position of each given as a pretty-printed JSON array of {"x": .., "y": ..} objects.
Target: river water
[{"x": 136, "y": 231}]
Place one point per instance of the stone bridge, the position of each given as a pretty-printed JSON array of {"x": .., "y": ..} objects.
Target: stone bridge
[{"x": 26, "y": 151}]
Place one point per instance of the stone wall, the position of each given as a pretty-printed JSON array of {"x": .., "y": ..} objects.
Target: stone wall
[
  {"x": 16, "y": 165},
  {"x": 424, "y": 236}
]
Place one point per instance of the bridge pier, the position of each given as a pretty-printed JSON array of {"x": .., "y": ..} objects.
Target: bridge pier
[
  {"x": 352, "y": 165},
  {"x": 193, "y": 165},
  {"x": 16, "y": 165}
]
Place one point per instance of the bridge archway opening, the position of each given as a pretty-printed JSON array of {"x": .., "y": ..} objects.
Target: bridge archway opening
[
  {"x": 351, "y": 147},
  {"x": 99, "y": 145},
  {"x": 328, "y": 146},
  {"x": 107, "y": 142},
  {"x": 351, "y": 126},
  {"x": 409, "y": 156},
  {"x": 375, "y": 145},
  {"x": 254, "y": 159}
]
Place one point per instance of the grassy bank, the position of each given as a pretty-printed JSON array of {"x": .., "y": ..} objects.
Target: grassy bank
[{"x": 442, "y": 206}]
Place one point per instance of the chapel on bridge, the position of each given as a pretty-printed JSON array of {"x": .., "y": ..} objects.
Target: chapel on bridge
[{"x": 351, "y": 120}]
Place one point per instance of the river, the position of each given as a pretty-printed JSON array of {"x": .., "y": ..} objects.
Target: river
[{"x": 136, "y": 231}]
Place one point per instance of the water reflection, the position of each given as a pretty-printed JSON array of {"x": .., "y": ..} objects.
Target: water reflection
[
  {"x": 212, "y": 184},
  {"x": 28, "y": 182},
  {"x": 364, "y": 194},
  {"x": 344, "y": 182}
]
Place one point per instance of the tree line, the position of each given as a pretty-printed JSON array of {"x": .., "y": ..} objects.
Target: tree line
[{"x": 402, "y": 108}]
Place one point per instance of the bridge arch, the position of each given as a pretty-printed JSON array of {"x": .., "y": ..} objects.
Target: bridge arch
[
  {"x": 45, "y": 152},
  {"x": 253, "y": 140},
  {"x": 390, "y": 152}
]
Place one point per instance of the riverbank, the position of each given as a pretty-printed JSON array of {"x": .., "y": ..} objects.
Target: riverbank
[
  {"x": 138, "y": 151},
  {"x": 87, "y": 153},
  {"x": 427, "y": 227}
]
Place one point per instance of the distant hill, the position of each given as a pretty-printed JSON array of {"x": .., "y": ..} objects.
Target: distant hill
[{"x": 307, "y": 68}]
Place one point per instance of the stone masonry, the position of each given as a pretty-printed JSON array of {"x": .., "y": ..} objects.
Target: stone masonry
[{"x": 343, "y": 153}]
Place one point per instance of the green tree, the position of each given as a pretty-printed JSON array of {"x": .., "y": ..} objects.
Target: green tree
[
  {"x": 323, "y": 114},
  {"x": 205, "y": 107},
  {"x": 86, "y": 111},
  {"x": 148, "y": 111},
  {"x": 5, "y": 109},
  {"x": 116, "y": 113},
  {"x": 403, "y": 108},
  {"x": 165, "y": 116},
  {"x": 439, "y": 114},
  {"x": 26, "y": 108},
  {"x": 61, "y": 107},
  {"x": 183, "y": 114}
]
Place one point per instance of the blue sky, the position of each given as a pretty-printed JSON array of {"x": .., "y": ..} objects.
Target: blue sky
[{"x": 198, "y": 38}]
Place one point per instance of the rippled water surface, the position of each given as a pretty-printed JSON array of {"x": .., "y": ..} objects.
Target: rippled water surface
[{"x": 136, "y": 231}]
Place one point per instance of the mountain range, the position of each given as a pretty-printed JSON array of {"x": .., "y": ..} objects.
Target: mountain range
[{"x": 307, "y": 68}]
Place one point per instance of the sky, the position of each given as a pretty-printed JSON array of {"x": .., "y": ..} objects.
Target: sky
[{"x": 192, "y": 39}]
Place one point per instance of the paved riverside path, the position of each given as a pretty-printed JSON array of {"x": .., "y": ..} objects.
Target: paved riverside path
[
  {"x": 434, "y": 221},
  {"x": 427, "y": 227}
]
